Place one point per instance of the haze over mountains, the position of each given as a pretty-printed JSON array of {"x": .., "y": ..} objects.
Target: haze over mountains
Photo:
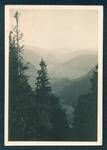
[
  {"x": 61, "y": 63},
  {"x": 69, "y": 72}
]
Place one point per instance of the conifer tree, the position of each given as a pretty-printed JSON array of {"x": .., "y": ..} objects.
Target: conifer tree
[
  {"x": 42, "y": 81},
  {"x": 43, "y": 91},
  {"x": 19, "y": 90},
  {"x": 85, "y": 120},
  {"x": 47, "y": 108}
]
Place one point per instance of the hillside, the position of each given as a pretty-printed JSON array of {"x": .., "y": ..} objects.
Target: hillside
[
  {"x": 71, "y": 93},
  {"x": 69, "y": 78},
  {"x": 61, "y": 65}
]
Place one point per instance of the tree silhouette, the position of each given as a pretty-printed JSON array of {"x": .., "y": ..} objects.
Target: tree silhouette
[
  {"x": 48, "y": 108},
  {"x": 85, "y": 121},
  {"x": 19, "y": 89},
  {"x": 42, "y": 106},
  {"x": 42, "y": 81}
]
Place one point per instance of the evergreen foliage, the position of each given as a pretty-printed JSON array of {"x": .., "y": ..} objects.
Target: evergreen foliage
[
  {"x": 31, "y": 116},
  {"x": 42, "y": 82},
  {"x": 19, "y": 90},
  {"x": 85, "y": 121},
  {"x": 38, "y": 115},
  {"x": 48, "y": 108}
]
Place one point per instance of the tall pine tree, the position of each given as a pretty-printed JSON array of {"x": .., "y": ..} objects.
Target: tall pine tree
[
  {"x": 48, "y": 109},
  {"x": 43, "y": 91},
  {"x": 42, "y": 81},
  {"x": 19, "y": 90}
]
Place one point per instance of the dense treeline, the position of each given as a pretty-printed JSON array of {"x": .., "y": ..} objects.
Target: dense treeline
[
  {"x": 38, "y": 114},
  {"x": 85, "y": 120}
]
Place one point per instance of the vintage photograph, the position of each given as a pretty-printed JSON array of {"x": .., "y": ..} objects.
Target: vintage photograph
[{"x": 53, "y": 75}]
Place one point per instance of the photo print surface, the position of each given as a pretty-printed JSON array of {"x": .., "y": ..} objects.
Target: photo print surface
[{"x": 53, "y": 75}]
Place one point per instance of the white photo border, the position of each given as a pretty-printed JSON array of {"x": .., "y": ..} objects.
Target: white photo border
[{"x": 100, "y": 79}]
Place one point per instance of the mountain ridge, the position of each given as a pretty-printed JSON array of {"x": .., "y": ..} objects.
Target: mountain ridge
[{"x": 71, "y": 68}]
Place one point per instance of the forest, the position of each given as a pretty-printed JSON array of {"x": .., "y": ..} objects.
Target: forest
[{"x": 37, "y": 114}]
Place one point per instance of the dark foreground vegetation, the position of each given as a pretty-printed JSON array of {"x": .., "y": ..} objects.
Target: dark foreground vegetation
[{"x": 37, "y": 114}]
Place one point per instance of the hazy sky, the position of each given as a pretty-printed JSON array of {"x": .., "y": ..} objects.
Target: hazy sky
[{"x": 52, "y": 29}]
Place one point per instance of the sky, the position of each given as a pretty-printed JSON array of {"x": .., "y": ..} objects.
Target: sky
[{"x": 58, "y": 28}]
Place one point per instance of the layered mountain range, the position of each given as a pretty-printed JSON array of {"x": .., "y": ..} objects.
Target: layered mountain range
[
  {"x": 61, "y": 63},
  {"x": 69, "y": 72}
]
